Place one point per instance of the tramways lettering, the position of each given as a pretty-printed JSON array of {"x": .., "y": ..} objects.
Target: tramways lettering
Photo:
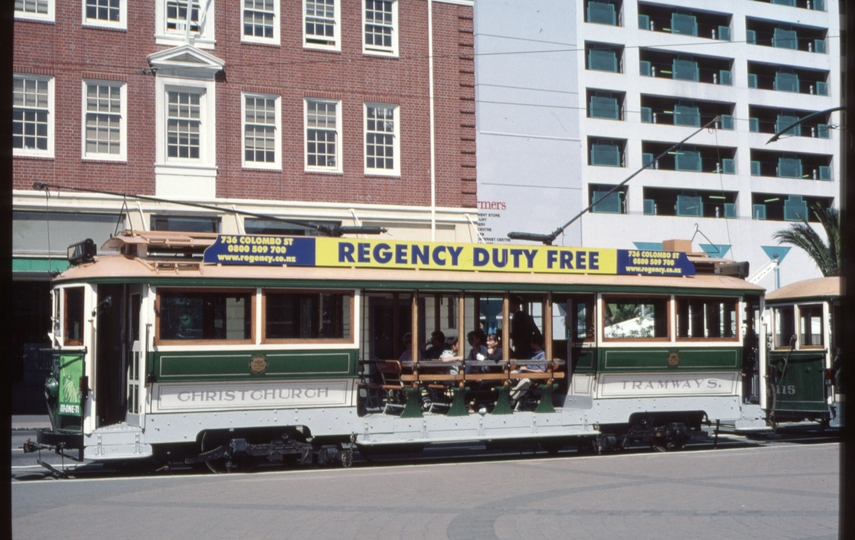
[{"x": 614, "y": 385}]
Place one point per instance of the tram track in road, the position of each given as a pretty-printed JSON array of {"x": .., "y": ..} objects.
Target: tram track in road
[{"x": 25, "y": 467}]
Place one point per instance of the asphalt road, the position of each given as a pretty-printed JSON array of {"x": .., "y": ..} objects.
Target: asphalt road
[{"x": 772, "y": 491}]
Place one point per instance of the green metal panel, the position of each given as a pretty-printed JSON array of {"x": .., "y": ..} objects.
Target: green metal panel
[
  {"x": 789, "y": 167},
  {"x": 604, "y": 107},
  {"x": 607, "y": 204},
  {"x": 647, "y": 359},
  {"x": 802, "y": 387},
  {"x": 819, "y": 46},
  {"x": 585, "y": 360},
  {"x": 644, "y": 68},
  {"x": 687, "y": 116},
  {"x": 602, "y": 60},
  {"x": 786, "y": 82},
  {"x": 685, "y": 70},
  {"x": 725, "y": 77},
  {"x": 684, "y": 24},
  {"x": 605, "y": 155},
  {"x": 730, "y": 210},
  {"x": 20, "y": 264},
  {"x": 647, "y": 159},
  {"x": 646, "y": 115},
  {"x": 795, "y": 208},
  {"x": 602, "y": 13},
  {"x": 724, "y": 33},
  {"x": 644, "y": 22},
  {"x": 822, "y": 88},
  {"x": 824, "y": 172},
  {"x": 306, "y": 364},
  {"x": 687, "y": 160},
  {"x": 751, "y": 37},
  {"x": 752, "y": 80},
  {"x": 785, "y": 39},
  {"x": 649, "y": 207},
  {"x": 69, "y": 405},
  {"x": 784, "y": 121}
]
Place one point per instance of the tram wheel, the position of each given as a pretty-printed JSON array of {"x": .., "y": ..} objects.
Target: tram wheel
[{"x": 210, "y": 441}]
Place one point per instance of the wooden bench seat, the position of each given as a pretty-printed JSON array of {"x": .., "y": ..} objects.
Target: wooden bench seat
[{"x": 410, "y": 377}]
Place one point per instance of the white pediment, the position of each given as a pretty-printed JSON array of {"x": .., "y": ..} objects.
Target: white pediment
[{"x": 187, "y": 59}]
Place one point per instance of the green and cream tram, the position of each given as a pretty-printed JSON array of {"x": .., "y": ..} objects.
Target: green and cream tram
[
  {"x": 802, "y": 371},
  {"x": 232, "y": 349}
]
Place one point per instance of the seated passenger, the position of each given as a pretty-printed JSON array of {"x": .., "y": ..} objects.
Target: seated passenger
[
  {"x": 478, "y": 354},
  {"x": 452, "y": 354},
  {"x": 437, "y": 346},
  {"x": 494, "y": 349},
  {"x": 522, "y": 387},
  {"x": 407, "y": 355}
]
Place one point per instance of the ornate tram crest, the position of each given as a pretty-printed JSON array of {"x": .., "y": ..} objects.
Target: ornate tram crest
[
  {"x": 258, "y": 364},
  {"x": 673, "y": 359}
]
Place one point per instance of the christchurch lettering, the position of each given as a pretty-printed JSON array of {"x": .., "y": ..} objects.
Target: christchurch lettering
[{"x": 258, "y": 395}]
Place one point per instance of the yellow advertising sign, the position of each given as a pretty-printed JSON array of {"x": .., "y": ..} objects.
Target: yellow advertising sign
[{"x": 341, "y": 252}]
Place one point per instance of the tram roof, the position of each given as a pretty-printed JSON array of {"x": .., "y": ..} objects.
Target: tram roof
[
  {"x": 824, "y": 287},
  {"x": 125, "y": 268}
]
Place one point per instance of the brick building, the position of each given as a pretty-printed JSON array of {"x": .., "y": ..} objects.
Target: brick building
[{"x": 346, "y": 112}]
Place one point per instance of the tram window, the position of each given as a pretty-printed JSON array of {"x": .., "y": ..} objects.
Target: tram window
[
  {"x": 73, "y": 328},
  {"x": 810, "y": 326},
  {"x": 307, "y": 315},
  {"x": 699, "y": 318},
  {"x": 188, "y": 316},
  {"x": 526, "y": 320},
  {"x": 573, "y": 318},
  {"x": 490, "y": 314},
  {"x": 635, "y": 318},
  {"x": 440, "y": 315},
  {"x": 785, "y": 326}
]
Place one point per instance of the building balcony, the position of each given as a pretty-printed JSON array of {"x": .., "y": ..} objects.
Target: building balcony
[
  {"x": 787, "y": 79},
  {"x": 816, "y": 5},
  {"x": 785, "y": 207},
  {"x": 607, "y": 12},
  {"x": 685, "y": 67},
  {"x": 689, "y": 158},
  {"x": 772, "y": 120},
  {"x": 791, "y": 165},
  {"x": 783, "y": 35},
  {"x": 685, "y": 22},
  {"x": 689, "y": 203},
  {"x": 680, "y": 112}
]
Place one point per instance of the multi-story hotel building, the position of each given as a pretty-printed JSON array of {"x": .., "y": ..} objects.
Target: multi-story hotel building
[{"x": 576, "y": 96}]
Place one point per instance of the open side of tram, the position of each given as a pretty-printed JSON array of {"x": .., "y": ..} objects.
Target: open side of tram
[
  {"x": 159, "y": 354},
  {"x": 802, "y": 371}
]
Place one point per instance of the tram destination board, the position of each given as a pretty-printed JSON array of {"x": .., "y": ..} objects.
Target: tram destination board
[{"x": 268, "y": 250}]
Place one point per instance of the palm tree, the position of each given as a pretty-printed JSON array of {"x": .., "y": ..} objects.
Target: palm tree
[{"x": 826, "y": 256}]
